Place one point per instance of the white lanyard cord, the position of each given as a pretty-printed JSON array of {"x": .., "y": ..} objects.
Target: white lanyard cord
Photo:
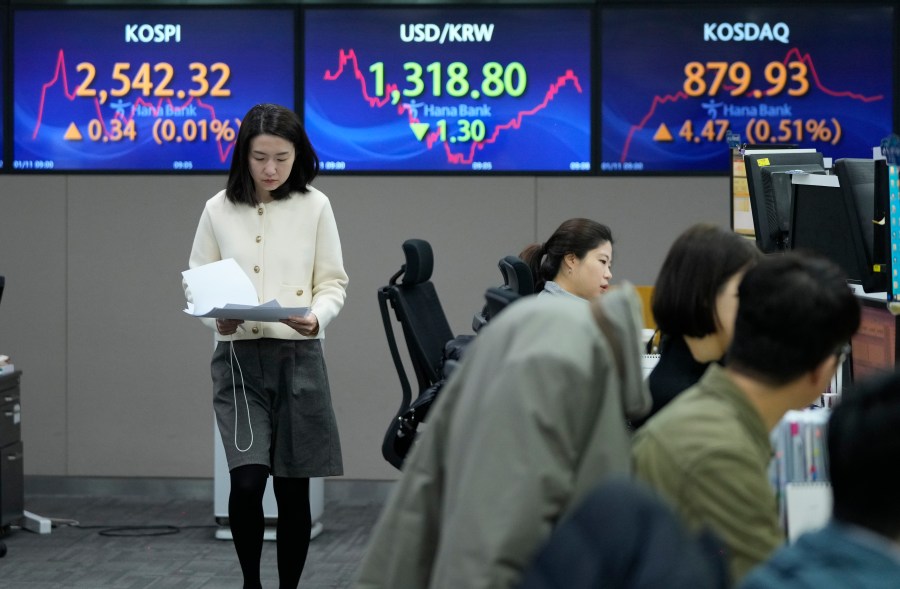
[{"x": 234, "y": 360}]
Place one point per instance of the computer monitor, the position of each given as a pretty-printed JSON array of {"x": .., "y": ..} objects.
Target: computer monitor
[
  {"x": 865, "y": 190},
  {"x": 881, "y": 237},
  {"x": 755, "y": 163},
  {"x": 825, "y": 220},
  {"x": 778, "y": 197},
  {"x": 819, "y": 221},
  {"x": 873, "y": 348}
]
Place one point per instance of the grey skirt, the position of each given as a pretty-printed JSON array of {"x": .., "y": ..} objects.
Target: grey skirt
[{"x": 273, "y": 407}]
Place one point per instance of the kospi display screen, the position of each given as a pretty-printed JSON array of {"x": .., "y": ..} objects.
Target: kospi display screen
[
  {"x": 2, "y": 84},
  {"x": 449, "y": 90},
  {"x": 143, "y": 90},
  {"x": 3, "y": 46},
  {"x": 676, "y": 81}
]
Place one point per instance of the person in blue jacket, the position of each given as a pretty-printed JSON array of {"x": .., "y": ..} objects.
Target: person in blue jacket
[{"x": 860, "y": 546}]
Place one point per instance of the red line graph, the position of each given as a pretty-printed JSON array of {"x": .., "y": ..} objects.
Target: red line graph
[
  {"x": 345, "y": 57},
  {"x": 60, "y": 72},
  {"x": 793, "y": 54},
  {"x": 808, "y": 60},
  {"x": 349, "y": 57}
]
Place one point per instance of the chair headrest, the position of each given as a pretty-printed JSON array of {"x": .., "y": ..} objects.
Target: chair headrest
[
  {"x": 517, "y": 275},
  {"x": 419, "y": 261}
]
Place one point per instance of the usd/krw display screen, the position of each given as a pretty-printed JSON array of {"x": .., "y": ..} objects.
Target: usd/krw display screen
[
  {"x": 449, "y": 90},
  {"x": 676, "y": 81},
  {"x": 143, "y": 90}
]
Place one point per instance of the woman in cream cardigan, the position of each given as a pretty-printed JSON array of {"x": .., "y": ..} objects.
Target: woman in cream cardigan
[{"x": 270, "y": 386}]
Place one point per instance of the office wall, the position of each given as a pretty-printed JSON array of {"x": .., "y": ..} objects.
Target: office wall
[{"x": 115, "y": 377}]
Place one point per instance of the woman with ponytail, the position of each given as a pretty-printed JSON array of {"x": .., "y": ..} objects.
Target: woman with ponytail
[{"x": 576, "y": 260}]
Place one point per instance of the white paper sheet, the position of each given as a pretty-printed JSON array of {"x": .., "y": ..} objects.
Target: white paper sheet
[
  {"x": 223, "y": 291},
  {"x": 808, "y": 507}
]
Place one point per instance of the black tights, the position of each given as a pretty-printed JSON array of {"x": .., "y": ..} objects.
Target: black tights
[{"x": 246, "y": 518}]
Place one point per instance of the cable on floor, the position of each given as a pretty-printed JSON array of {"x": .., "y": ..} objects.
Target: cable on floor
[
  {"x": 121, "y": 531},
  {"x": 138, "y": 531}
]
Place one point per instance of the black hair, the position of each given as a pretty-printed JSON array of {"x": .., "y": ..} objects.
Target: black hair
[
  {"x": 575, "y": 236},
  {"x": 270, "y": 119},
  {"x": 795, "y": 310},
  {"x": 699, "y": 263},
  {"x": 863, "y": 453}
]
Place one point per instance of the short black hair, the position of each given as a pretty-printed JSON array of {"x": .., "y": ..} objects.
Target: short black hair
[
  {"x": 863, "y": 455},
  {"x": 574, "y": 236},
  {"x": 795, "y": 310},
  {"x": 699, "y": 263},
  {"x": 270, "y": 119}
]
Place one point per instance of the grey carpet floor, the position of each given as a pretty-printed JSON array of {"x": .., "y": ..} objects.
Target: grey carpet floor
[{"x": 134, "y": 542}]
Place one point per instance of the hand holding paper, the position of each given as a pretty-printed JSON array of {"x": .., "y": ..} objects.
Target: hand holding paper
[{"x": 223, "y": 291}]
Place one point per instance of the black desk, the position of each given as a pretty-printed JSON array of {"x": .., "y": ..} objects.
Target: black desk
[{"x": 12, "y": 487}]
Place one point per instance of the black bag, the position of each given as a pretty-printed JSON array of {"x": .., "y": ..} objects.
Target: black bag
[{"x": 402, "y": 432}]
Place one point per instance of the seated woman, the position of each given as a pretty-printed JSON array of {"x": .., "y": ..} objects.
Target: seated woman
[
  {"x": 694, "y": 304},
  {"x": 576, "y": 261}
]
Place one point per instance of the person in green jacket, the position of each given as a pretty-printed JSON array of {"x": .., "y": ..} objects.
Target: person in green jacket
[
  {"x": 860, "y": 546},
  {"x": 707, "y": 452}
]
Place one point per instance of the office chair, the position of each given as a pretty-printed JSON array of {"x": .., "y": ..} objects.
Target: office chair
[
  {"x": 516, "y": 275},
  {"x": 419, "y": 312},
  {"x": 517, "y": 282},
  {"x": 433, "y": 349},
  {"x": 402, "y": 431},
  {"x": 497, "y": 299},
  {"x": 426, "y": 331}
]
